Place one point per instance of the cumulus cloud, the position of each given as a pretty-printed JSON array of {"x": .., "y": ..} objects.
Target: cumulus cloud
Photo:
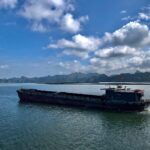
[
  {"x": 70, "y": 24},
  {"x": 4, "y": 66},
  {"x": 111, "y": 65},
  {"x": 124, "y": 50},
  {"x": 105, "y": 65},
  {"x": 51, "y": 12},
  {"x": 79, "y": 45},
  {"x": 129, "y": 61},
  {"x": 124, "y": 43},
  {"x": 118, "y": 51},
  {"x": 123, "y": 12},
  {"x": 38, "y": 10},
  {"x": 126, "y": 18},
  {"x": 39, "y": 27},
  {"x": 136, "y": 61},
  {"x": 133, "y": 34},
  {"x": 127, "y": 51},
  {"x": 144, "y": 16},
  {"x": 8, "y": 3}
]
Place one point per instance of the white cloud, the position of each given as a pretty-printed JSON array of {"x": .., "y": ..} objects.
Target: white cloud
[
  {"x": 38, "y": 10},
  {"x": 4, "y": 66},
  {"x": 39, "y": 27},
  {"x": 106, "y": 65},
  {"x": 144, "y": 16},
  {"x": 145, "y": 8},
  {"x": 70, "y": 24},
  {"x": 73, "y": 66},
  {"x": 136, "y": 61},
  {"x": 124, "y": 50},
  {"x": 78, "y": 41},
  {"x": 123, "y": 12},
  {"x": 133, "y": 34},
  {"x": 81, "y": 54},
  {"x": 52, "y": 12},
  {"x": 118, "y": 51},
  {"x": 8, "y": 3},
  {"x": 129, "y": 61},
  {"x": 124, "y": 43},
  {"x": 110, "y": 65},
  {"x": 126, "y": 18},
  {"x": 79, "y": 45}
]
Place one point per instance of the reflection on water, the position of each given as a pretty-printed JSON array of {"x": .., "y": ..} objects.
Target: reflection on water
[{"x": 45, "y": 127}]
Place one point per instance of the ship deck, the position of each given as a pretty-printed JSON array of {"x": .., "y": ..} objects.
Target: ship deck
[{"x": 35, "y": 91}]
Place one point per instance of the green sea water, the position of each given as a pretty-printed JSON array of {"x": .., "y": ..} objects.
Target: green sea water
[{"x": 46, "y": 127}]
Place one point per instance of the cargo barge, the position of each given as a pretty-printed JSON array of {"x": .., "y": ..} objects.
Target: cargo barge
[{"x": 120, "y": 99}]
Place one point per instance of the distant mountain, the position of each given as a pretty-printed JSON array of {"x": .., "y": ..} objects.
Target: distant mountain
[
  {"x": 128, "y": 77},
  {"x": 83, "y": 78}
]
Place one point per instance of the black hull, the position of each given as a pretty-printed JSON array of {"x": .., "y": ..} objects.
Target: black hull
[{"x": 77, "y": 100}]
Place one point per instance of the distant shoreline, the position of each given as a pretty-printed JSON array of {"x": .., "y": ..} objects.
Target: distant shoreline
[
  {"x": 102, "y": 83},
  {"x": 125, "y": 83},
  {"x": 142, "y": 78},
  {"x": 106, "y": 83},
  {"x": 79, "y": 83}
]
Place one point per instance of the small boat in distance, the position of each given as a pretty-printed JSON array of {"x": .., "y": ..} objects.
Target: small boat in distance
[{"x": 119, "y": 98}]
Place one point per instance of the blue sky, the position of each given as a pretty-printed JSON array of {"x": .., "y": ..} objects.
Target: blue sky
[{"x": 47, "y": 37}]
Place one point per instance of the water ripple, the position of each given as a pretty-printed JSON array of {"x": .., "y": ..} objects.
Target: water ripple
[{"x": 45, "y": 127}]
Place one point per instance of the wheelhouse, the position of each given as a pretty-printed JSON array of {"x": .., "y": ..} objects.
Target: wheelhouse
[{"x": 123, "y": 94}]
